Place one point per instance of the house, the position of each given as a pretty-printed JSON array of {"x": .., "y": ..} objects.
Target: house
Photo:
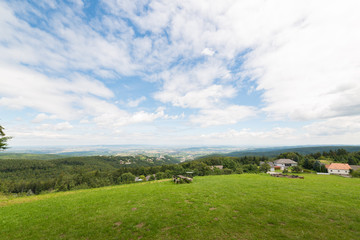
[
  {"x": 284, "y": 163},
  {"x": 148, "y": 177},
  {"x": 272, "y": 166},
  {"x": 137, "y": 179},
  {"x": 338, "y": 168},
  {"x": 217, "y": 166}
]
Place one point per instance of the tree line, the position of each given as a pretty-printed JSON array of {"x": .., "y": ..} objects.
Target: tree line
[{"x": 37, "y": 176}]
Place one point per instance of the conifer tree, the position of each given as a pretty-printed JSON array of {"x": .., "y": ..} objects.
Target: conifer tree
[{"x": 3, "y": 139}]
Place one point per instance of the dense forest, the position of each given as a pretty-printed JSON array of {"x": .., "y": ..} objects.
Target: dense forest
[
  {"x": 273, "y": 152},
  {"x": 23, "y": 176}
]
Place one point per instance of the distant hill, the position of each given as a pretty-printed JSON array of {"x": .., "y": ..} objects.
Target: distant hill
[
  {"x": 273, "y": 152},
  {"x": 46, "y": 166},
  {"x": 30, "y": 156}
]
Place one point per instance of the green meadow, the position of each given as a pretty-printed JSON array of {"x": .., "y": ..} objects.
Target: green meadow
[{"x": 246, "y": 206}]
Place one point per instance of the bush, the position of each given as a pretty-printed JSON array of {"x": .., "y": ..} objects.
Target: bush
[
  {"x": 356, "y": 173},
  {"x": 127, "y": 178},
  {"x": 160, "y": 175},
  {"x": 265, "y": 167},
  {"x": 239, "y": 171},
  {"x": 296, "y": 169},
  {"x": 227, "y": 171},
  {"x": 250, "y": 168},
  {"x": 307, "y": 171},
  {"x": 285, "y": 170}
]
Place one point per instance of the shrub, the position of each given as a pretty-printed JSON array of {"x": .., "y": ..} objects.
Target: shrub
[
  {"x": 296, "y": 169},
  {"x": 127, "y": 178},
  {"x": 227, "y": 171},
  {"x": 356, "y": 173},
  {"x": 250, "y": 168},
  {"x": 160, "y": 175},
  {"x": 265, "y": 167},
  {"x": 307, "y": 171}
]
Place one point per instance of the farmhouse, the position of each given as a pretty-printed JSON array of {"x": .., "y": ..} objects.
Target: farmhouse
[
  {"x": 338, "y": 168},
  {"x": 284, "y": 163},
  {"x": 217, "y": 166}
]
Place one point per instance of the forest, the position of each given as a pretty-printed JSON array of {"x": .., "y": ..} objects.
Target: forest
[{"x": 22, "y": 176}]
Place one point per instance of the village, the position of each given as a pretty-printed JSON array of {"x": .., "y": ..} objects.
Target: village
[{"x": 276, "y": 168}]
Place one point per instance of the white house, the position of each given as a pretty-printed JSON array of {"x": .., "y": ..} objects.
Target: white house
[
  {"x": 280, "y": 164},
  {"x": 338, "y": 168},
  {"x": 284, "y": 163}
]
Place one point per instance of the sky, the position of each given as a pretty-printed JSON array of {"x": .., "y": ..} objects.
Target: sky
[{"x": 204, "y": 72}]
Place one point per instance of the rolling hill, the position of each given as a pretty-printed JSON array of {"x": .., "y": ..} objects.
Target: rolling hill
[{"x": 247, "y": 206}]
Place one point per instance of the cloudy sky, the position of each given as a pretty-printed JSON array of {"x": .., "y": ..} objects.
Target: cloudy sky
[{"x": 204, "y": 72}]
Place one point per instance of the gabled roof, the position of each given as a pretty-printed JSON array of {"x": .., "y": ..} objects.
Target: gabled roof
[
  {"x": 339, "y": 166},
  {"x": 271, "y": 164},
  {"x": 284, "y": 160}
]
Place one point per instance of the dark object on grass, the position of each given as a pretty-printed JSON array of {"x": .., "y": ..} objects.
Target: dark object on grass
[
  {"x": 182, "y": 179},
  {"x": 287, "y": 176}
]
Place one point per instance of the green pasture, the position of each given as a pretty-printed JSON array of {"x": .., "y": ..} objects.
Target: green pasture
[{"x": 247, "y": 206}]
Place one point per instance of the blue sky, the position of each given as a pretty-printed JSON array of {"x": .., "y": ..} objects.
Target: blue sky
[{"x": 248, "y": 72}]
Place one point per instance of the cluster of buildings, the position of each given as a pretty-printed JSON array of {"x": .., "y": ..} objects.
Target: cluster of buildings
[{"x": 333, "y": 168}]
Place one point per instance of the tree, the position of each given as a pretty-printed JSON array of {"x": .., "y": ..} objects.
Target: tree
[
  {"x": 296, "y": 169},
  {"x": 308, "y": 164},
  {"x": 3, "y": 139},
  {"x": 127, "y": 178},
  {"x": 265, "y": 167},
  {"x": 317, "y": 166}
]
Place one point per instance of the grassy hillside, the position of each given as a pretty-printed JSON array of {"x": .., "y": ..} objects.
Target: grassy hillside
[{"x": 244, "y": 206}]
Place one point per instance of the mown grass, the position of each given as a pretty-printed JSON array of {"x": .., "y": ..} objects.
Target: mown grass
[{"x": 244, "y": 206}]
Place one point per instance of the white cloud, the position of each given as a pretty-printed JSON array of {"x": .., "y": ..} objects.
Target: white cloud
[
  {"x": 55, "y": 127},
  {"x": 243, "y": 134},
  {"x": 195, "y": 87},
  {"x": 22, "y": 88},
  {"x": 225, "y": 116},
  {"x": 136, "y": 102},
  {"x": 42, "y": 117},
  {"x": 335, "y": 126},
  {"x": 308, "y": 69},
  {"x": 207, "y": 52},
  {"x": 301, "y": 55}
]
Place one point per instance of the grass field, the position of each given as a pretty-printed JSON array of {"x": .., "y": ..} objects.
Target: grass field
[{"x": 246, "y": 206}]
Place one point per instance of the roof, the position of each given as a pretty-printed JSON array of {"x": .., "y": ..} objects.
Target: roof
[
  {"x": 339, "y": 166},
  {"x": 284, "y": 160},
  {"x": 271, "y": 164},
  {"x": 355, "y": 167}
]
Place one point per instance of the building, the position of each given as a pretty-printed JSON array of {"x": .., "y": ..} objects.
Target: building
[
  {"x": 217, "y": 166},
  {"x": 272, "y": 166},
  {"x": 284, "y": 163},
  {"x": 338, "y": 168},
  {"x": 280, "y": 165}
]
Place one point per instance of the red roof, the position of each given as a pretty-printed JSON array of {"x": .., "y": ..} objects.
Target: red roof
[{"x": 339, "y": 166}]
